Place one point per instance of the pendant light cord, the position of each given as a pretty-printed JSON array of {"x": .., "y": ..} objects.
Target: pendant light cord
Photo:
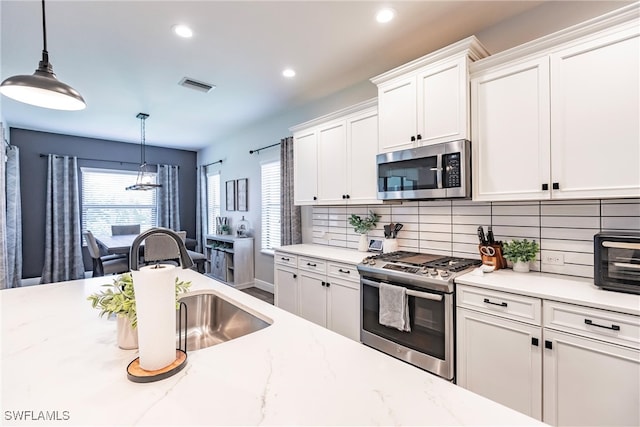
[
  {"x": 44, "y": 29},
  {"x": 142, "y": 157},
  {"x": 44, "y": 65}
]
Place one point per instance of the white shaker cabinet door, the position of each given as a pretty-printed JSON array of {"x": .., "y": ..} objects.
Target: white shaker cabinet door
[
  {"x": 313, "y": 298},
  {"x": 500, "y": 359},
  {"x": 510, "y": 133},
  {"x": 362, "y": 134},
  {"x": 286, "y": 289},
  {"x": 332, "y": 163},
  {"x": 595, "y": 110},
  {"x": 443, "y": 99},
  {"x": 589, "y": 382},
  {"x": 305, "y": 168},
  {"x": 344, "y": 308},
  {"x": 397, "y": 117}
]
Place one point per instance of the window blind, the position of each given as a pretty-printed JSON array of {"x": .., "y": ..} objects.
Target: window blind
[
  {"x": 270, "y": 188},
  {"x": 213, "y": 201}
]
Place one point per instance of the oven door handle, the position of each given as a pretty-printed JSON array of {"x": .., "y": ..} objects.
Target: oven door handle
[{"x": 410, "y": 292}]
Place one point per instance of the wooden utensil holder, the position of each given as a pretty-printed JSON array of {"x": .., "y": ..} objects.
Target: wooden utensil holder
[{"x": 497, "y": 260}]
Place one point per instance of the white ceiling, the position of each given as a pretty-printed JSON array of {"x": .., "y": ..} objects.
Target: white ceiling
[{"x": 124, "y": 59}]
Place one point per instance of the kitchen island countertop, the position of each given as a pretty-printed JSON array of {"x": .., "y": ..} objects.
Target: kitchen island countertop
[{"x": 59, "y": 359}]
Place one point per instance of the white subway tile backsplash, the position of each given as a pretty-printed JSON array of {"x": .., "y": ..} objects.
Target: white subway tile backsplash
[{"x": 449, "y": 227}]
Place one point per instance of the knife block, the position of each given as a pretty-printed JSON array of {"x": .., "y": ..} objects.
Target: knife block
[{"x": 497, "y": 260}]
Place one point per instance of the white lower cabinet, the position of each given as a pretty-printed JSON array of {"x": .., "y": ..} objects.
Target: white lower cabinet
[
  {"x": 577, "y": 366},
  {"x": 321, "y": 291}
]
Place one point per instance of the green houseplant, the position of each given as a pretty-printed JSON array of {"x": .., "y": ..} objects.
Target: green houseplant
[
  {"x": 520, "y": 253},
  {"x": 362, "y": 226},
  {"x": 119, "y": 299}
]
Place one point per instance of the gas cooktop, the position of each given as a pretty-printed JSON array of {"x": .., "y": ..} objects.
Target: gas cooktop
[{"x": 423, "y": 270}]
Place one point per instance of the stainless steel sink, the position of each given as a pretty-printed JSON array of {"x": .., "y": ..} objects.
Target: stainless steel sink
[{"x": 212, "y": 320}]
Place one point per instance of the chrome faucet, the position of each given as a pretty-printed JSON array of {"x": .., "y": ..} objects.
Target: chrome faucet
[{"x": 185, "y": 259}]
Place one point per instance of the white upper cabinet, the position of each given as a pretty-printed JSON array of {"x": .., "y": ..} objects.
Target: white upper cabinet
[
  {"x": 344, "y": 160},
  {"x": 557, "y": 118},
  {"x": 427, "y": 100}
]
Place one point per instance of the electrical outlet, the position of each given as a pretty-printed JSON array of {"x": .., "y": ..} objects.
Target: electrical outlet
[{"x": 553, "y": 258}]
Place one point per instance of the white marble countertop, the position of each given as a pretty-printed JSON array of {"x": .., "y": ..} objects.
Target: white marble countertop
[
  {"x": 332, "y": 253},
  {"x": 59, "y": 356},
  {"x": 554, "y": 287}
]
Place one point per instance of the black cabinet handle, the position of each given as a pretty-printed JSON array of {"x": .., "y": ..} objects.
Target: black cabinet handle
[
  {"x": 556, "y": 186},
  {"x": 413, "y": 138},
  {"x": 285, "y": 259},
  {"x": 545, "y": 187},
  {"x": 419, "y": 137},
  {"x": 344, "y": 271},
  {"x": 612, "y": 327},
  {"x": 501, "y": 304},
  {"x": 312, "y": 265},
  {"x": 534, "y": 341},
  {"x": 548, "y": 344}
]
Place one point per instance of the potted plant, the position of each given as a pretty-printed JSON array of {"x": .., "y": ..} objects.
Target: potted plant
[
  {"x": 225, "y": 229},
  {"x": 362, "y": 226},
  {"x": 119, "y": 300},
  {"x": 520, "y": 253}
]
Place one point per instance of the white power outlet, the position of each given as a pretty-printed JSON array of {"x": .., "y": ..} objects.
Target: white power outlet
[{"x": 553, "y": 258}]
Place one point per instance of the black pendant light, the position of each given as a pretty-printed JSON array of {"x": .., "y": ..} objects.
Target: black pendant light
[
  {"x": 145, "y": 180},
  {"x": 42, "y": 88}
]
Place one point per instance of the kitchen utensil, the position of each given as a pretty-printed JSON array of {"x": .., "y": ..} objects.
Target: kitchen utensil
[
  {"x": 387, "y": 231},
  {"x": 483, "y": 240},
  {"x": 397, "y": 228},
  {"x": 490, "y": 239}
]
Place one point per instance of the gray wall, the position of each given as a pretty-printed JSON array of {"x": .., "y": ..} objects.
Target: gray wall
[
  {"x": 33, "y": 176},
  {"x": 234, "y": 149}
]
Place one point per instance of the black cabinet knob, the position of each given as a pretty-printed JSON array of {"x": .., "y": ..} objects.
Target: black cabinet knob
[
  {"x": 348, "y": 196},
  {"x": 315, "y": 198},
  {"x": 556, "y": 185},
  {"x": 548, "y": 344},
  {"x": 328, "y": 284},
  {"x": 413, "y": 138},
  {"x": 545, "y": 187},
  {"x": 419, "y": 137},
  {"x": 295, "y": 276},
  {"x": 344, "y": 197},
  {"x": 534, "y": 341}
]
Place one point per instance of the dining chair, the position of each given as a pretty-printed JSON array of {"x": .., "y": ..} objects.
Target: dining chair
[
  {"x": 159, "y": 247},
  {"x": 118, "y": 230},
  {"x": 107, "y": 264}
]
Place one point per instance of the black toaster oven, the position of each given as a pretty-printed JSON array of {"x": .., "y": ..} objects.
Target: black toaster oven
[{"x": 617, "y": 261}]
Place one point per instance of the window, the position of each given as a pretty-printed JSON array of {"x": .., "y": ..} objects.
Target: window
[
  {"x": 270, "y": 174},
  {"x": 105, "y": 201},
  {"x": 213, "y": 201}
]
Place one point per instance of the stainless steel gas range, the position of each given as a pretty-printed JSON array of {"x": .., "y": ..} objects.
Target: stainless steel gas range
[{"x": 428, "y": 280}]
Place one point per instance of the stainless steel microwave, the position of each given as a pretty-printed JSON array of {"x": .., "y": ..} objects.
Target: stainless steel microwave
[
  {"x": 437, "y": 171},
  {"x": 617, "y": 261}
]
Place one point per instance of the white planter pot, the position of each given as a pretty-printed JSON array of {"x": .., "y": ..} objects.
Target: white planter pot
[
  {"x": 127, "y": 335},
  {"x": 363, "y": 243},
  {"x": 521, "y": 266}
]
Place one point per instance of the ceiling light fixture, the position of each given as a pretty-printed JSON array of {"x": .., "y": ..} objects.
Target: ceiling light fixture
[
  {"x": 183, "y": 31},
  {"x": 145, "y": 180},
  {"x": 385, "y": 15},
  {"x": 42, "y": 88},
  {"x": 289, "y": 73}
]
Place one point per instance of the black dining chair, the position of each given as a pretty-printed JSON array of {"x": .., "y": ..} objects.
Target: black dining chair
[
  {"x": 107, "y": 264},
  {"x": 118, "y": 230}
]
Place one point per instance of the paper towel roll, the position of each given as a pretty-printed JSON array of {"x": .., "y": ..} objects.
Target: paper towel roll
[{"x": 154, "y": 287}]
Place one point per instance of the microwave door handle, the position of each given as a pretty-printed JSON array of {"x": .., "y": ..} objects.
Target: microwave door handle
[
  {"x": 410, "y": 292},
  {"x": 439, "y": 171}
]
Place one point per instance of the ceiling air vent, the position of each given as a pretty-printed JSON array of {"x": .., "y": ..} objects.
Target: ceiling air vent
[{"x": 196, "y": 85}]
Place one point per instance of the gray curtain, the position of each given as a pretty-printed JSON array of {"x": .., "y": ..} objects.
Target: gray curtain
[
  {"x": 201, "y": 209},
  {"x": 167, "y": 198},
  {"x": 13, "y": 236},
  {"x": 63, "y": 241},
  {"x": 4, "y": 270},
  {"x": 290, "y": 228}
]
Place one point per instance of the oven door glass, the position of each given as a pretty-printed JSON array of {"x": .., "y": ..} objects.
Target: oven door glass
[
  {"x": 408, "y": 175},
  {"x": 623, "y": 262},
  {"x": 427, "y": 320}
]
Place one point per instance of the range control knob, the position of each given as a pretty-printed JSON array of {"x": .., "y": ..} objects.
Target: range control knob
[
  {"x": 445, "y": 274},
  {"x": 434, "y": 272}
]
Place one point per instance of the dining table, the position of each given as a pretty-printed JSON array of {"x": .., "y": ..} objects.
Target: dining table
[{"x": 118, "y": 244}]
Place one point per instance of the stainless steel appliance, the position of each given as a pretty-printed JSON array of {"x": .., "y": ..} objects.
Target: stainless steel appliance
[
  {"x": 617, "y": 261},
  {"x": 428, "y": 280},
  {"x": 437, "y": 171}
]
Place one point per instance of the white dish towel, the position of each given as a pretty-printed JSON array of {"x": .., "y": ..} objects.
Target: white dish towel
[{"x": 394, "y": 307}]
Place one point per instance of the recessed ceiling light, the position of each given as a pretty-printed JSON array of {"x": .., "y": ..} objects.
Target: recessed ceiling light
[
  {"x": 182, "y": 31},
  {"x": 385, "y": 15},
  {"x": 288, "y": 73}
]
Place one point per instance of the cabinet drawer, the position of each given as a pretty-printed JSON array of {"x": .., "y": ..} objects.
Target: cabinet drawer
[
  {"x": 343, "y": 271},
  {"x": 617, "y": 328},
  {"x": 510, "y": 306},
  {"x": 312, "y": 264},
  {"x": 286, "y": 259}
]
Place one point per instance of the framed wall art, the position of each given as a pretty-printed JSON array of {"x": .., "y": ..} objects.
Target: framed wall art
[
  {"x": 241, "y": 194},
  {"x": 231, "y": 195}
]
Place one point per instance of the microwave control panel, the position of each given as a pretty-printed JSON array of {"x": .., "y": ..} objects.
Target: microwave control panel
[{"x": 451, "y": 170}]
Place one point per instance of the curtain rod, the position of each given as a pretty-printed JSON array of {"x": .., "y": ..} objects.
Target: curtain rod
[
  {"x": 209, "y": 164},
  {"x": 98, "y": 160},
  {"x": 257, "y": 150}
]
